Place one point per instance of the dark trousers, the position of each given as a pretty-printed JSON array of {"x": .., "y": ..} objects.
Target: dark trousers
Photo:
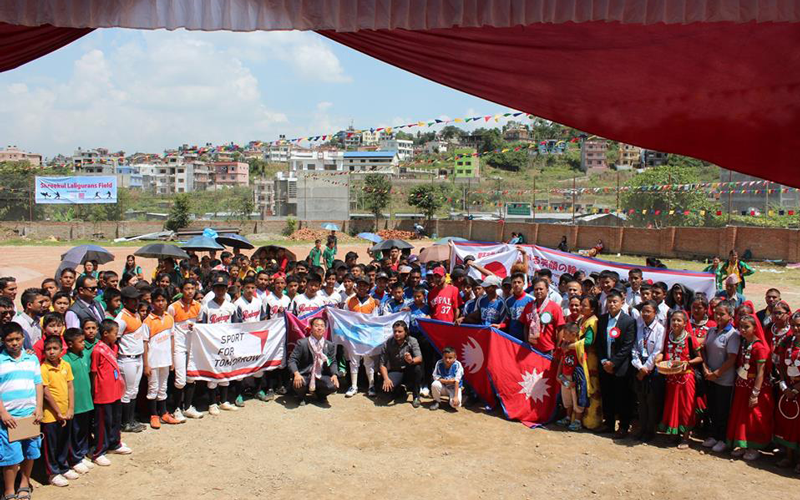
[
  {"x": 81, "y": 425},
  {"x": 56, "y": 447},
  {"x": 617, "y": 399},
  {"x": 107, "y": 427},
  {"x": 323, "y": 387},
  {"x": 649, "y": 395},
  {"x": 410, "y": 376},
  {"x": 429, "y": 358},
  {"x": 719, "y": 399}
]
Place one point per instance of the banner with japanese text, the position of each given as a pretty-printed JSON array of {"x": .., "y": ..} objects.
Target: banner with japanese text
[
  {"x": 233, "y": 351},
  {"x": 76, "y": 190}
]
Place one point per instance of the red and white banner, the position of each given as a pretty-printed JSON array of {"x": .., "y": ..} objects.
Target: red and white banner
[
  {"x": 501, "y": 256},
  {"x": 234, "y": 351}
]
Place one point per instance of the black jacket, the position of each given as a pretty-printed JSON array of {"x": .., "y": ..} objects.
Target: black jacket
[
  {"x": 302, "y": 358},
  {"x": 621, "y": 347}
]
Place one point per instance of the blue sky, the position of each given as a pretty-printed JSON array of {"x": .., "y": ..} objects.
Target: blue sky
[{"x": 151, "y": 90}]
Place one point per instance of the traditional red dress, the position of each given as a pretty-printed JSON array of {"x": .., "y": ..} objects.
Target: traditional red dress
[
  {"x": 751, "y": 427},
  {"x": 700, "y": 331},
  {"x": 679, "y": 402},
  {"x": 787, "y": 411}
]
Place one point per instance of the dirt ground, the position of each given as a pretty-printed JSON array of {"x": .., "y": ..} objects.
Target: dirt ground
[{"x": 358, "y": 448}]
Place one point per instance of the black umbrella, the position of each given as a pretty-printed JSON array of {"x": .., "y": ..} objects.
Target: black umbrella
[
  {"x": 161, "y": 251},
  {"x": 85, "y": 253},
  {"x": 234, "y": 240},
  {"x": 387, "y": 244}
]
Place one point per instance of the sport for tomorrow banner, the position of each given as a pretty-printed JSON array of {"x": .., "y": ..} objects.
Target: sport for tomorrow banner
[
  {"x": 76, "y": 190},
  {"x": 499, "y": 257}
]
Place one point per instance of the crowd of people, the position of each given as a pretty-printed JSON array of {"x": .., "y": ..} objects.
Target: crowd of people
[{"x": 630, "y": 353}]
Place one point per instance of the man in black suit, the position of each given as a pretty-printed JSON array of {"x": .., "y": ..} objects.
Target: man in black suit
[
  {"x": 310, "y": 364},
  {"x": 616, "y": 335}
]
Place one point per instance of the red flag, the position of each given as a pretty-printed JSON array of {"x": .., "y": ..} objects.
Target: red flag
[
  {"x": 297, "y": 328},
  {"x": 525, "y": 381},
  {"x": 471, "y": 343}
]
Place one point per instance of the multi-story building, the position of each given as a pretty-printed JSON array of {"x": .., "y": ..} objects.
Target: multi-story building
[
  {"x": 516, "y": 132},
  {"x": 371, "y": 161},
  {"x": 129, "y": 177},
  {"x": 404, "y": 147},
  {"x": 651, "y": 158},
  {"x": 13, "y": 153},
  {"x": 466, "y": 166},
  {"x": 629, "y": 156},
  {"x": 595, "y": 154},
  {"x": 435, "y": 147},
  {"x": 285, "y": 193},
  {"x": 372, "y": 137},
  {"x": 96, "y": 161},
  {"x": 351, "y": 138},
  {"x": 316, "y": 160},
  {"x": 264, "y": 196},
  {"x": 231, "y": 174},
  {"x": 278, "y": 153}
]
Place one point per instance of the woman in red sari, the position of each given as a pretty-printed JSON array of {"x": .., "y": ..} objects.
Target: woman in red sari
[
  {"x": 680, "y": 347},
  {"x": 787, "y": 409},
  {"x": 750, "y": 422}
]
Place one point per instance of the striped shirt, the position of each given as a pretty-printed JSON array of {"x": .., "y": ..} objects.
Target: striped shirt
[{"x": 18, "y": 380}]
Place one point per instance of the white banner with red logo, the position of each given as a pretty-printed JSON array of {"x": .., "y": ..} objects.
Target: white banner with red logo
[
  {"x": 233, "y": 351},
  {"x": 499, "y": 257}
]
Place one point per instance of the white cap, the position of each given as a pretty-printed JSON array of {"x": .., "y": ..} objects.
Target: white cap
[
  {"x": 404, "y": 269},
  {"x": 492, "y": 281}
]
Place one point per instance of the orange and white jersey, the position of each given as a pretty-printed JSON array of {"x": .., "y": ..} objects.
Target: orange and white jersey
[
  {"x": 131, "y": 336},
  {"x": 158, "y": 332},
  {"x": 183, "y": 317}
]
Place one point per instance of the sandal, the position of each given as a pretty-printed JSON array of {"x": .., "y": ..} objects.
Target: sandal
[
  {"x": 26, "y": 491},
  {"x": 12, "y": 496}
]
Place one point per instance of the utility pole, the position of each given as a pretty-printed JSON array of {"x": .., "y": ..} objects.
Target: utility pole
[
  {"x": 730, "y": 195},
  {"x": 534, "y": 195},
  {"x": 573, "y": 199}
]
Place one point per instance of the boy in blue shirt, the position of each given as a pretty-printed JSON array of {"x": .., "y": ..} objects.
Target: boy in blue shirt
[
  {"x": 397, "y": 303},
  {"x": 447, "y": 378},
  {"x": 21, "y": 395},
  {"x": 490, "y": 310}
]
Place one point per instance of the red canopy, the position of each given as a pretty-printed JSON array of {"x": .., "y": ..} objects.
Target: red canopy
[{"x": 713, "y": 79}]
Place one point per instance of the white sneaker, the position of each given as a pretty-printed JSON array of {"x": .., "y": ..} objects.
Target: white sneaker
[
  {"x": 88, "y": 463},
  {"x": 59, "y": 480},
  {"x": 709, "y": 443},
  {"x": 352, "y": 391},
  {"x": 191, "y": 412},
  {"x": 178, "y": 415},
  {"x": 80, "y": 468},
  {"x": 71, "y": 475},
  {"x": 425, "y": 392},
  {"x": 227, "y": 407},
  {"x": 719, "y": 447},
  {"x": 213, "y": 410},
  {"x": 122, "y": 450},
  {"x": 102, "y": 461}
]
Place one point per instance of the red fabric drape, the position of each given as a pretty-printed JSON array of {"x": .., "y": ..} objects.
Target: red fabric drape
[
  {"x": 727, "y": 93},
  {"x": 22, "y": 44}
]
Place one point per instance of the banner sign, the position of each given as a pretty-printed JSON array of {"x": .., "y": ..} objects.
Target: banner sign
[
  {"x": 233, "y": 351},
  {"x": 499, "y": 257},
  {"x": 76, "y": 190},
  {"x": 362, "y": 334}
]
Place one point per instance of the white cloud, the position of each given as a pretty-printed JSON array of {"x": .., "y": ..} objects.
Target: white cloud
[{"x": 162, "y": 89}]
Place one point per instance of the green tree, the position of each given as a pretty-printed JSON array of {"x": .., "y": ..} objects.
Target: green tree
[
  {"x": 429, "y": 198},
  {"x": 179, "y": 214},
  {"x": 376, "y": 194},
  {"x": 404, "y": 136},
  {"x": 258, "y": 167},
  {"x": 668, "y": 200},
  {"x": 491, "y": 139},
  {"x": 243, "y": 203},
  {"x": 15, "y": 191},
  {"x": 451, "y": 131},
  {"x": 512, "y": 161}
]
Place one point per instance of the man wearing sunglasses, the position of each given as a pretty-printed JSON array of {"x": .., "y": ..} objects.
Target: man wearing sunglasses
[
  {"x": 6, "y": 310},
  {"x": 85, "y": 306}
]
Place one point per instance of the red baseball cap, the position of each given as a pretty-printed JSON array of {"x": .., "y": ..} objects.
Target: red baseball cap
[{"x": 439, "y": 271}]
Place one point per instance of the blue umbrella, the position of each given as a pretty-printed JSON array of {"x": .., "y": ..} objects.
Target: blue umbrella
[
  {"x": 84, "y": 253},
  {"x": 330, "y": 226},
  {"x": 445, "y": 241},
  {"x": 235, "y": 241},
  {"x": 370, "y": 237},
  {"x": 202, "y": 243}
]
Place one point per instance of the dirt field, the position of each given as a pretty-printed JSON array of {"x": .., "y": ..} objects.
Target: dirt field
[{"x": 360, "y": 449}]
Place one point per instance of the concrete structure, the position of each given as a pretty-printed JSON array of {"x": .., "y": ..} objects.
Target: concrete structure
[
  {"x": 285, "y": 195},
  {"x": 629, "y": 156},
  {"x": 404, "y": 148},
  {"x": 264, "y": 196},
  {"x": 350, "y": 137},
  {"x": 96, "y": 161},
  {"x": 595, "y": 154},
  {"x": 370, "y": 161},
  {"x": 13, "y": 153},
  {"x": 308, "y": 160},
  {"x": 516, "y": 132},
  {"x": 762, "y": 201},
  {"x": 372, "y": 137},
  {"x": 466, "y": 166},
  {"x": 435, "y": 147},
  {"x": 129, "y": 177},
  {"x": 652, "y": 158},
  {"x": 320, "y": 199},
  {"x": 278, "y": 153},
  {"x": 231, "y": 174}
]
